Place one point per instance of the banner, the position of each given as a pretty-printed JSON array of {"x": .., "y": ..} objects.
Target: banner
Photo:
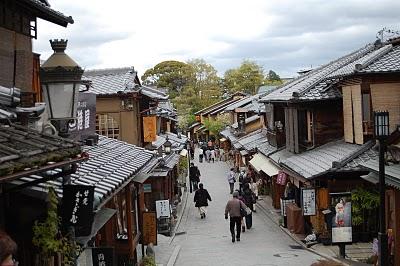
[
  {"x": 150, "y": 128},
  {"x": 281, "y": 178},
  {"x": 341, "y": 217},
  {"x": 103, "y": 256},
  {"x": 85, "y": 123},
  {"x": 77, "y": 206},
  {"x": 241, "y": 118},
  {"x": 149, "y": 228},
  {"x": 308, "y": 201}
]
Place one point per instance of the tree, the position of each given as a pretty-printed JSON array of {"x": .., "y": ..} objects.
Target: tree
[
  {"x": 215, "y": 126},
  {"x": 173, "y": 75},
  {"x": 247, "y": 77},
  {"x": 273, "y": 76}
]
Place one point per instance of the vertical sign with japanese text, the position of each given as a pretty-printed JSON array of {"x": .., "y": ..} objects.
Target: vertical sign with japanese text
[
  {"x": 78, "y": 208},
  {"x": 85, "y": 123},
  {"x": 163, "y": 208},
  {"x": 103, "y": 256},
  {"x": 241, "y": 118},
  {"x": 308, "y": 201},
  {"x": 150, "y": 128},
  {"x": 149, "y": 228}
]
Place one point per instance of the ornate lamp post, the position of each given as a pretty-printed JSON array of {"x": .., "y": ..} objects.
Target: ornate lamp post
[
  {"x": 381, "y": 120},
  {"x": 61, "y": 78},
  {"x": 167, "y": 146}
]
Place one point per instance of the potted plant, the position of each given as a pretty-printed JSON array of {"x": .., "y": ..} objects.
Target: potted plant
[
  {"x": 364, "y": 204},
  {"x": 49, "y": 240}
]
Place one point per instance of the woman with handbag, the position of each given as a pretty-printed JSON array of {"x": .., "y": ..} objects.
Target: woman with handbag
[{"x": 249, "y": 199}]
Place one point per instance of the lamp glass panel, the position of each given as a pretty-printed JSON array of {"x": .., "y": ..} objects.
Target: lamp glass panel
[{"x": 63, "y": 99}]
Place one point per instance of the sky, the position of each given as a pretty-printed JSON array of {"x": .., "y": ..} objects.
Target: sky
[{"x": 285, "y": 36}]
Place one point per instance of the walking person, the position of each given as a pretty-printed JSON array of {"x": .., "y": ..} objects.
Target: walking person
[
  {"x": 249, "y": 200},
  {"x": 212, "y": 155},
  {"x": 208, "y": 155},
  {"x": 194, "y": 176},
  {"x": 231, "y": 180},
  {"x": 201, "y": 155},
  {"x": 201, "y": 198},
  {"x": 233, "y": 209}
]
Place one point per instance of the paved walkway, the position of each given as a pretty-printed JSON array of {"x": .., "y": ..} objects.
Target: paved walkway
[{"x": 208, "y": 241}]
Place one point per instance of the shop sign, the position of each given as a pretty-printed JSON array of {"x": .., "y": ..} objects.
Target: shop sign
[
  {"x": 85, "y": 123},
  {"x": 284, "y": 203},
  {"x": 281, "y": 178},
  {"x": 308, "y": 201},
  {"x": 78, "y": 208},
  {"x": 147, "y": 188},
  {"x": 149, "y": 228},
  {"x": 103, "y": 256},
  {"x": 150, "y": 128},
  {"x": 163, "y": 209},
  {"x": 341, "y": 217}
]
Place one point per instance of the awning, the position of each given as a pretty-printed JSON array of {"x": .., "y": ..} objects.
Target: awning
[
  {"x": 262, "y": 163},
  {"x": 371, "y": 177},
  {"x": 100, "y": 219},
  {"x": 184, "y": 152},
  {"x": 244, "y": 153},
  {"x": 222, "y": 139},
  {"x": 389, "y": 180}
]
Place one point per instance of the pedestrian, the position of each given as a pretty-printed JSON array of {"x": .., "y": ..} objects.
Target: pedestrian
[
  {"x": 254, "y": 189},
  {"x": 208, "y": 155},
  {"x": 201, "y": 198},
  {"x": 233, "y": 209},
  {"x": 249, "y": 200},
  {"x": 231, "y": 179},
  {"x": 212, "y": 155},
  {"x": 8, "y": 249},
  {"x": 194, "y": 175},
  {"x": 200, "y": 155}
]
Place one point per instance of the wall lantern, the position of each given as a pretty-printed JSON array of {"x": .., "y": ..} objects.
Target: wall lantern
[
  {"x": 167, "y": 146},
  {"x": 61, "y": 78},
  {"x": 381, "y": 124}
]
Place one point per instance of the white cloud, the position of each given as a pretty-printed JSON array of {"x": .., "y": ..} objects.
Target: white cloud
[{"x": 281, "y": 35}]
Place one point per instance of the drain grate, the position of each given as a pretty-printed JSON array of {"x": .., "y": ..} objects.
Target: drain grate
[{"x": 296, "y": 247}]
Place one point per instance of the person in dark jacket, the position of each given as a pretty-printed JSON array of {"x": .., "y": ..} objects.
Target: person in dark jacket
[
  {"x": 194, "y": 175},
  {"x": 249, "y": 200},
  {"x": 201, "y": 198}
]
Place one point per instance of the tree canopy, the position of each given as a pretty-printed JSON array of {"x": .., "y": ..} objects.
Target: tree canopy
[{"x": 246, "y": 78}]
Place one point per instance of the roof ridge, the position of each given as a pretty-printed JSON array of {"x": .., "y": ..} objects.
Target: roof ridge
[
  {"x": 110, "y": 71},
  {"x": 379, "y": 53}
]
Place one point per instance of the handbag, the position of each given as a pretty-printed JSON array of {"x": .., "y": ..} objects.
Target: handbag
[{"x": 244, "y": 211}]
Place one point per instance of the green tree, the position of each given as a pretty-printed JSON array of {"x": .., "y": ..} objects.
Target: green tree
[
  {"x": 273, "y": 76},
  {"x": 173, "y": 75},
  {"x": 215, "y": 126},
  {"x": 247, "y": 77}
]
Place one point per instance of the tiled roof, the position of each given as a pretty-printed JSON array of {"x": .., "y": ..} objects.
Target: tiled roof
[
  {"x": 324, "y": 90},
  {"x": 227, "y": 134},
  {"x": 390, "y": 62},
  {"x": 392, "y": 172},
  {"x": 252, "y": 140},
  {"x": 194, "y": 125},
  {"x": 219, "y": 107},
  {"x": 172, "y": 160},
  {"x": 112, "y": 163},
  {"x": 111, "y": 81},
  {"x": 240, "y": 103},
  {"x": 117, "y": 80},
  {"x": 23, "y": 149},
  {"x": 266, "y": 148},
  {"x": 315, "y": 162},
  {"x": 177, "y": 143},
  {"x": 299, "y": 86},
  {"x": 43, "y": 11},
  {"x": 219, "y": 104}
]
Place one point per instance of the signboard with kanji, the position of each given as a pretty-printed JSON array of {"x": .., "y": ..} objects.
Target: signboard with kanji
[
  {"x": 150, "y": 128},
  {"x": 85, "y": 123},
  {"x": 77, "y": 208},
  {"x": 149, "y": 228},
  {"x": 281, "y": 178},
  {"x": 284, "y": 203},
  {"x": 241, "y": 118},
  {"x": 103, "y": 256},
  {"x": 163, "y": 209},
  {"x": 308, "y": 201}
]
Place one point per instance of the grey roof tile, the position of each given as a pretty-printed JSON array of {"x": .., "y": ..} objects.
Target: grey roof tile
[
  {"x": 55, "y": 16},
  {"x": 389, "y": 62},
  {"x": 266, "y": 148}
]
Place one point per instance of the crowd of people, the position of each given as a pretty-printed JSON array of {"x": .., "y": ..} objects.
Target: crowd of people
[{"x": 240, "y": 207}]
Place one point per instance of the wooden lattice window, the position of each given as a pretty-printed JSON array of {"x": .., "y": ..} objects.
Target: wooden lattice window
[{"x": 107, "y": 126}]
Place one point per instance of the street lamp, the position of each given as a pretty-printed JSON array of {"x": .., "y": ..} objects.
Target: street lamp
[
  {"x": 61, "y": 78},
  {"x": 167, "y": 146},
  {"x": 381, "y": 120}
]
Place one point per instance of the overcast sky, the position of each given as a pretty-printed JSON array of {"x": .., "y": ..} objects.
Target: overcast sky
[{"x": 285, "y": 36}]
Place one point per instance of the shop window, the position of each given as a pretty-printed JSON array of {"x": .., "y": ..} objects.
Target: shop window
[
  {"x": 366, "y": 113},
  {"x": 107, "y": 126}
]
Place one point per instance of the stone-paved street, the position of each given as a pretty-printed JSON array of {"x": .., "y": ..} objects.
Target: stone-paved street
[{"x": 208, "y": 242}]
